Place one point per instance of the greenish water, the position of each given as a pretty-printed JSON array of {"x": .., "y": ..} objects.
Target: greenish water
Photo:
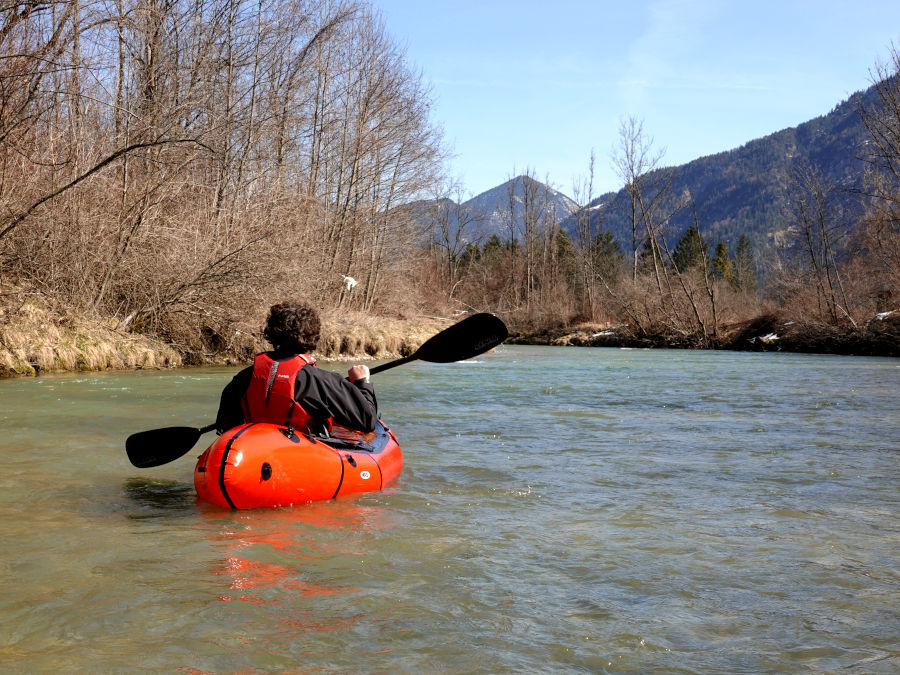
[{"x": 560, "y": 510}]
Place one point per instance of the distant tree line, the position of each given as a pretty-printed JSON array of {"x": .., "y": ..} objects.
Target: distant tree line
[
  {"x": 540, "y": 276},
  {"x": 826, "y": 268}
]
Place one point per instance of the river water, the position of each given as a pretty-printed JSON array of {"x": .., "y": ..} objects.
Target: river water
[{"x": 560, "y": 510}]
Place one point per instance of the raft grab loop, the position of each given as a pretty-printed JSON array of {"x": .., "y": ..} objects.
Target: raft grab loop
[{"x": 289, "y": 434}]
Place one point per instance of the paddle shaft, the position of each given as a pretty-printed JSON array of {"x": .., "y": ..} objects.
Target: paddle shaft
[{"x": 392, "y": 364}]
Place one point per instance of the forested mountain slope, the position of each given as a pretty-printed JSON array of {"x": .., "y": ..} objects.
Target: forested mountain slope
[{"x": 745, "y": 190}]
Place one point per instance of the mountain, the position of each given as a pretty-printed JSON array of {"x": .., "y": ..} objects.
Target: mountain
[
  {"x": 499, "y": 211},
  {"x": 491, "y": 209},
  {"x": 740, "y": 191},
  {"x": 745, "y": 190}
]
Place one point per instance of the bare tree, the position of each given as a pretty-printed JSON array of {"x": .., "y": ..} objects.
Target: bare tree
[
  {"x": 881, "y": 236},
  {"x": 634, "y": 159},
  {"x": 820, "y": 229},
  {"x": 453, "y": 233},
  {"x": 584, "y": 230}
]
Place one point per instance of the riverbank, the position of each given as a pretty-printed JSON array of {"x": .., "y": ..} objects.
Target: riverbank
[
  {"x": 34, "y": 340},
  {"x": 879, "y": 336}
]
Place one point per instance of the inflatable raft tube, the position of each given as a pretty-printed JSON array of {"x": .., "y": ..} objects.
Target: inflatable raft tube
[{"x": 260, "y": 465}]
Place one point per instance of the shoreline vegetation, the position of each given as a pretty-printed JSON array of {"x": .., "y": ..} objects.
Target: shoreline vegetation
[
  {"x": 34, "y": 341},
  {"x": 769, "y": 333}
]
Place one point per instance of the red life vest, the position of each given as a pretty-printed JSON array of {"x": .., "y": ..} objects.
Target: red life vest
[{"x": 270, "y": 394}]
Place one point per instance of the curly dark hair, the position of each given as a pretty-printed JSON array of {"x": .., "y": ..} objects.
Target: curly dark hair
[{"x": 293, "y": 327}]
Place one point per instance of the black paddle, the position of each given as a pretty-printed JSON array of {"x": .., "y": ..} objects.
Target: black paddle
[
  {"x": 470, "y": 337},
  {"x": 161, "y": 446}
]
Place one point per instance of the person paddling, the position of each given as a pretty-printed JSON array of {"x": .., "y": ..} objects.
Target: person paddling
[
  {"x": 470, "y": 337},
  {"x": 283, "y": 386}
]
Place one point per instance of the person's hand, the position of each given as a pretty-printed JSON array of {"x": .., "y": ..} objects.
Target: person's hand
[{"x": 360, "y": 372}]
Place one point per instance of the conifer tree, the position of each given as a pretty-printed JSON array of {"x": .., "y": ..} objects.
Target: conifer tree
[
  {"x": 608, "y": 256},
  {"x": 493, "y": 249},
  {"x": 722, "y": 267},
  {"x": 690, "y": 251},
  {"x": 744, "y": 267},
  {"x": 566, "y": 259},
  {"x": 646, "y": 255}
]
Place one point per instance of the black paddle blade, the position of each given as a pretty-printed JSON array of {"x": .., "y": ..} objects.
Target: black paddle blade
[
  {"x": 160, "y": 446},
  {"x": 470, "y": 337}
]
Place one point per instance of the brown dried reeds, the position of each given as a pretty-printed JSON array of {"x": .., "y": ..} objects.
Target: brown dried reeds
[
  {"x": 350, "y": 335},
  {"x": 33, "y": 341}
]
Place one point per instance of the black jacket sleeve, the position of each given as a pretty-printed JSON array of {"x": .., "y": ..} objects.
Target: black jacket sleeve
[
  {"x": 324, "y": 393},
  {"x": 230, "y": 412}
]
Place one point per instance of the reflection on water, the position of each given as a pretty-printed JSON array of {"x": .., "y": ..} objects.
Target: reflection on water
[
  {"x": 561, "y": 510},
  {"x": 274, "y": 559},
  {"x": 247, "y": 541}
]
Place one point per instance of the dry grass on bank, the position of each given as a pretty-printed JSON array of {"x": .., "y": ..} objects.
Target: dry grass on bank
[
  {"x": 348, "y": 336},
  {"x": 33, "y": 340}
]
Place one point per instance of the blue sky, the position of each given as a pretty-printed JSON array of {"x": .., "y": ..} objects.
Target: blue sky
[{"x": 538, "y": 85}]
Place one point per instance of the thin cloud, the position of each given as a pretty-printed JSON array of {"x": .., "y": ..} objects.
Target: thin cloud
[{"x": 656, "y": 56}]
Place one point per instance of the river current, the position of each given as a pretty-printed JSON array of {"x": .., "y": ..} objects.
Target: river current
[{"x": 560, "y": 510}]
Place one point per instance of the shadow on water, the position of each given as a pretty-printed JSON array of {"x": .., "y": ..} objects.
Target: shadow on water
[{"x": 159, "y": 497}]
